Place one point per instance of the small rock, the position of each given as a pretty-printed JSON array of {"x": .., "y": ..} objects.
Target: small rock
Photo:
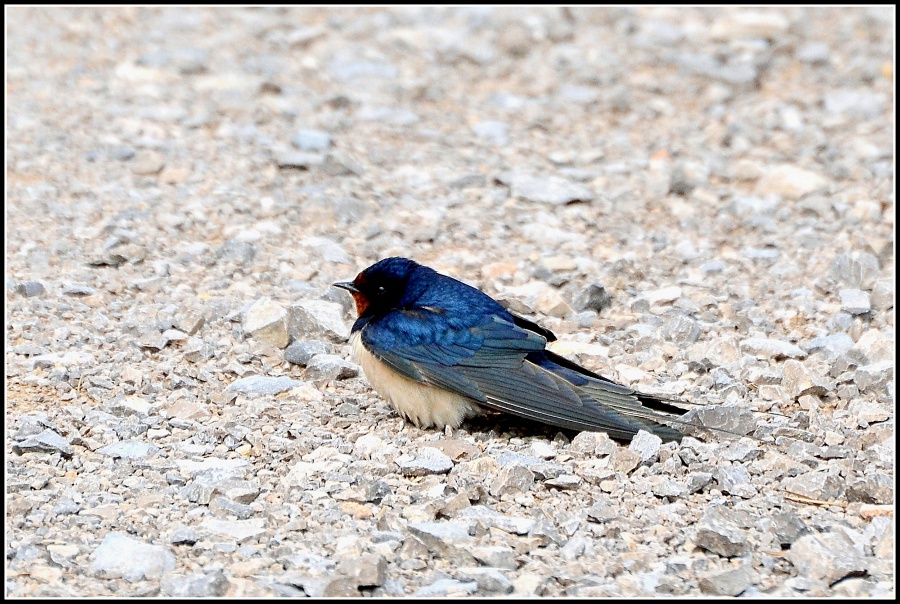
[
  {"x": 854, "y": 270},
  {"x": 869, "y": 412},
  {"x": 565, "y": 481},
  {"x": 734, "y": 480},
  {"x": 120, "y": 556},
  {"x": 680, "y": 330},
  {"x": 496, "y": 556},
  {"x": 330, "y": 367},
  {"x": 369, "y": 570},
  {"x": 872, "y": 347},
  {"x": 235, "y": 250},
  {"x": 729, "y": 583},
  {"x": 30, "y": 289},
  {"x": 317, "y": 317},
  {"x": 718, "y": 533},
  {"x": 47, "y": 441},
  {"x": 479, "y": 514},
  {"x": 799, "y": 380},
  {"x": 821, "y": 485},
  {"x": 299, "y": 353},
  {"x": 263, "y": 385},
  {"x": 602, "y": 512},
  {"x": 663, "y": 486},
  {"x": 625, "y": 460},
  {"x": 859, "y": 103},
  {"x": 493, "y": 131},
  {"x": 855, "y": 301},
  {"x": 771, "y": 348},
  {"x": 308, "y": 139},
  {"x": 542, "y": 449},
  {"x": 129, "y": 449},
  {"x": 489, "y": 580},
  {"x": 827, "y": 557},
  {"x": 428, "y": 460},
  {"x": 443, "y": 588},
  {"x": 788, "y": 528},
  {"x": 749, "y": 24},
  {"x": 666, "y": 295},
  {"x": 875, "y": 376},
  {"x": 832, "y": 346},
  {"x": 883, "y": 295},
  {"x": 646, "y": 445},
  {"x": 687, "y": 176},
  {"x": 267, "y": 320},
  {"x": 815, "y": 53},
  {"x": 184, "y": 536},
  {"x": 549, "y": 189},
  {"x": 238, "y": 530},
  {"x": 301, "y": 160},
  {"x": 450, "y": 540},
  {"x": 197, "y": 585},
  {"x": 790, "y": 182},
  {"x": 593, "y": 443},
  {"x": 593, "y": 297},
  {"x": 512, "y": 480}
]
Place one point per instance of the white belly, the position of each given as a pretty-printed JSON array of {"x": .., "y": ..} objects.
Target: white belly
[{"x": 423, "y": 405}]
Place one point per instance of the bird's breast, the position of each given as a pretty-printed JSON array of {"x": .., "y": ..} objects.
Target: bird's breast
[{"x": 422, "y": 404}]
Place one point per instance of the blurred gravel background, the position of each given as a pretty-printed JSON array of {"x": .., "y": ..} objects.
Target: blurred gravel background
[{"x": 698, "y": 202}]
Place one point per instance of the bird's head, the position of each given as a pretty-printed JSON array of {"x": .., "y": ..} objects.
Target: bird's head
[{"x": 381, "y": 287}]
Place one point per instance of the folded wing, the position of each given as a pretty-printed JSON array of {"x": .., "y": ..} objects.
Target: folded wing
[{"x": 502, "y": 364}]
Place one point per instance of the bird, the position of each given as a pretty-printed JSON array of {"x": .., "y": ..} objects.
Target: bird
[{"x": 441, "y": 351}]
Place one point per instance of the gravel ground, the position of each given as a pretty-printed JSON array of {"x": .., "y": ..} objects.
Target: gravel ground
[{"x": 697, "y": 201}]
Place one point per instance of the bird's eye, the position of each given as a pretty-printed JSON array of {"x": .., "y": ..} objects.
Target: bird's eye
[{"x": 380, "y": 291}]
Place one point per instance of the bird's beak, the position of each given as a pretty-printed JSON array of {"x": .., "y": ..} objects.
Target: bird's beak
[{"x": 346, "y": 285}]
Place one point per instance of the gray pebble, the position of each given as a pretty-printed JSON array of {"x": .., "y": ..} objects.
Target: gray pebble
[
  {"x": 329, "y": 367},
  {"x": 827, "y": 557},
  {"x": 821, "y": 485},
  {"x": 267, "y": 320},
  {"x": 446, "y": 588},
  {"x": 855, "y": 301},
  {"x": 120, "y": 556},
  {"x": 78, "y": 289},
  {"x": 489, "y": 580},
  {"x": 303, "y": 160},
  {"x": 494, "y": 131},
  {"x": 718, "y": 533},
  {"x": 646, "y": 445},
  {"x": 30, "y": 289},
  {"x": 261, "y": 384},
  {"x": 772, "y": 348},
  {"x": 240, "y": 531},
  {"x": 184, "y": 536},
  {"x": 548, "y": 189},
  {"x": 512, "y": 480},
  {"x": 490, "y": 518},
  {"x": 729, "y": 583},
  {"x": 496, "y": 556},
  {"x": 831, "y": 346},
  {"x": 369, "y": 570},
  {"x": 48, "y": 441},
  {"x": 310, "y": 318},
  {"x": 197, "y": 585},
  {"x": 592, "y": 297},
  {"x": 680, "y": 330},
  {"x": 428, "y": 460},
  {"x": 129, "y": 449},
  {"x": 308, "y": 139},
  {"x": 300, "y": 353},
  {"x": 235, "y": 250}
]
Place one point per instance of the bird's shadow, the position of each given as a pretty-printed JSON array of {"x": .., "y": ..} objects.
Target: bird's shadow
[{"x": 509, "y": 426}]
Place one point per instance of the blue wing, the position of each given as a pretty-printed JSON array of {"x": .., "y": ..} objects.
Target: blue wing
[{"x": 494, "y": 359}]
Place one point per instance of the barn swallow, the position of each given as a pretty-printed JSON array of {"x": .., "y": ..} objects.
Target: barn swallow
[{"x": 440, "y": 351}]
